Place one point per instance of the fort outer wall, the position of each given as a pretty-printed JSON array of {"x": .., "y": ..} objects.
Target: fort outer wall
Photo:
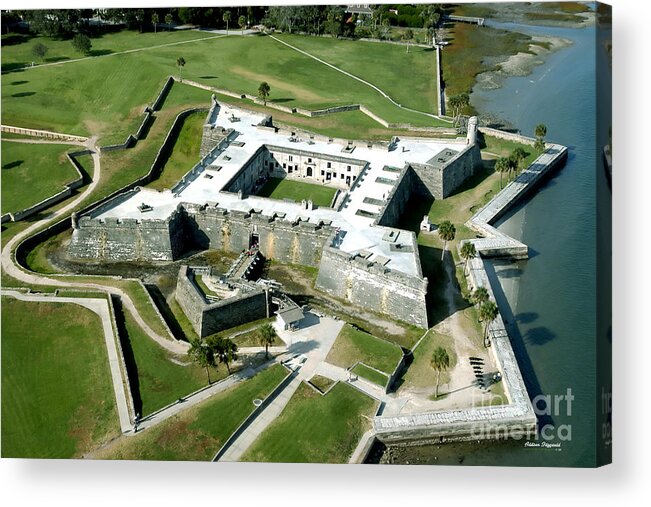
[
  {"x": 373, "y": 286},
  {"x": 209, "y": 318}
]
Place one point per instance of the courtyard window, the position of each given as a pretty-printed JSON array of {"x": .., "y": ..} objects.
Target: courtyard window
[
  {"x": 349, "y": 168},
  {"x": 329, "y": 165},
  {"x": 291, "y": 159}
]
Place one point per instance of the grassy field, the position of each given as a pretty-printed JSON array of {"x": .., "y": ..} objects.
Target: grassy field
[
  {"x": 371, "y": 375},
  {"x": 420, "y": 372},
  {"x": 199, "y": 432},
  {"x": 155, "y": 379},
  {"x": 353, "y": 345},
  {"x": 279, "y": 188},
  {"x": 57, "y": 399},
  {"x": 314, "y": 428},
  {"x": 321, "y": 383},
  {"x": 97, "y": 96},
  {"x": 185, "y": 153},
  {"x": 33, "y": 172}
]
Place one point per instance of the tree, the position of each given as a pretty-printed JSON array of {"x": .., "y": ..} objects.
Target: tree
[
  {"x": 440, "y": 361},
  {"x": 154, "y": 20},
  {"x": 81, "y": 43},
  {"x": 408, "y": 36},
  {"x": 225, "y": 351},
  {"x": 263, "y": 91},
  {"x": 168, "y": 21},
  {"x": 39, "y": 50},
  {"x": 541, "y": 130},
  {"x": 501, "y": 166},
  {"x": 266, "y": 336},
  {"x": 468, "y": 251},
  {"x": 242, "y": 22},
  {"x": 518, "y": 155},
  {"x": 180, "y": 63},
  {"x": 446, "y": 232},
  {"x": 226, "y": 18},
  {"x": 202, "y": 354},
  {"x": 457, "y": 104},
  {"x": 480, "y": 296},
  {"x": 488, "y": 313}
]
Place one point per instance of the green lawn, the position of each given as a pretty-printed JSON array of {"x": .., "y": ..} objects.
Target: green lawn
[
  {"x": 353, "y": 345},
  {"x": 283, "y": 188},
  {"x": 57, "y": 398},
  {"x": 371, "y": 375},
  {"x": 420, "y": 372},
  {"x": 97, "y": 96},
  {"x": 154, "y": 377},
  {"x": 17, "y": 48},
  {"x": 314, "y": 428},
  {"x": 199, "y": 432},
  {"x": 33, "y": 172},
  {"x": 185, "y": 153}
]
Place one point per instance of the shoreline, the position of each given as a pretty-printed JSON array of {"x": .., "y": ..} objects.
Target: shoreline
[{"x": 520, "y": 64}]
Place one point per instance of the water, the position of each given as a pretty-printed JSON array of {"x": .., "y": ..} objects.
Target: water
[{"x": 550, "y": 298}]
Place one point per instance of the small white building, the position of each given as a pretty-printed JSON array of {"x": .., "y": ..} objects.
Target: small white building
[
  {"x": 426, "y": 225},
  {"x": 290, "y": 318}
]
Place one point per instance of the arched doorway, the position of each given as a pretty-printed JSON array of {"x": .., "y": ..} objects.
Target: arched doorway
[{"x": 309, "y": 171}]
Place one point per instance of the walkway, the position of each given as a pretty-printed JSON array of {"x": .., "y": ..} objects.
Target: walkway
[
  {"x": 101, "y": 308},
  {"x": 313, "y": 341},
  {"x": 380, "y": 91}
]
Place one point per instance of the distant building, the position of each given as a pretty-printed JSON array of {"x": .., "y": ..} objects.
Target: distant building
[{"x": 359, "y": 9}]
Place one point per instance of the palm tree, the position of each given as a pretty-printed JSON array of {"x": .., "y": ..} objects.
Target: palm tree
[
  {"x": 180, "y": 63},
  {"x": 263, "y": 91},
  {"x": 518, "y": 154},
  {"x": 154, "y": 20},
  {"x": 501, "y": 166},
  {"x": 446, "y": 232},
  {"x": 539, "y": 145},
  {"x": 468, "y": 251},
  {"x": 407, "y": 36},
  {"x": 226, "y": 351},
  {"x": 266, "y": 335},
  {"x": 242, "y": 22},
  {"x": 488, "y": 313},
  {"x": 226, "y": 18},
  {"x": 457, "y": 103},
  {"x": 479, "y": 297},
  {"x": 168, "y": 20},
  {"x": 541, "y": 130},
  {"x": 202, "y": 354},
  {"x": 440, "y": 361}
]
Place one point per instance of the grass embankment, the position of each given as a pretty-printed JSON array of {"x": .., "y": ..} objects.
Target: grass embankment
[
  {"x": 185, "y": 154},
  {"x": 353, "y": 345},
  {"x": 199, "y": 432},
  {"x": 321, "y": 383},
  {"x": 314, "y": 428},
  {"x": 96, "y": 96},
  {"x": 33, "y": 172},
  {"x": 283, "y": 188},
  {"x": 57, "y": 398},
  {"x": 371, "y": 375},
  {"x": 157, "y": 379}
]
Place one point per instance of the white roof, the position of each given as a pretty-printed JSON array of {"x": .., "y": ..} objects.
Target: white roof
[{"x": 357, "y": 231}]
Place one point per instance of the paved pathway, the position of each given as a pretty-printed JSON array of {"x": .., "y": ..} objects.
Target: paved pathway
[
  {"x": 313, "y": 341},
  {"x": 101, "y": 308}
]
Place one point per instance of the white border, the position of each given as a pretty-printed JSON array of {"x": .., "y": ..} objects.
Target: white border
[{"x": 72, "y": 483}]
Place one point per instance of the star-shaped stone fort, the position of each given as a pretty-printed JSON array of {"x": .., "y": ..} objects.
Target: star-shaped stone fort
[{"x": 362, "y": 257}]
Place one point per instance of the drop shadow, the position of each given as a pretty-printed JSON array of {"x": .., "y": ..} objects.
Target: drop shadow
[
  {"x": 55, "y": 59},
  {"x": 100, "y": 52},
  {"x": 208, "y": 77},
  {"x": 23, "y": 94},
  {"x": 170, "y": 319},
  {"x": 525, "y": 317},
  {"x": 538, "y": 336},
  {"x": 279, "y": 101},
  {"x": 16, "y": 83}
]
